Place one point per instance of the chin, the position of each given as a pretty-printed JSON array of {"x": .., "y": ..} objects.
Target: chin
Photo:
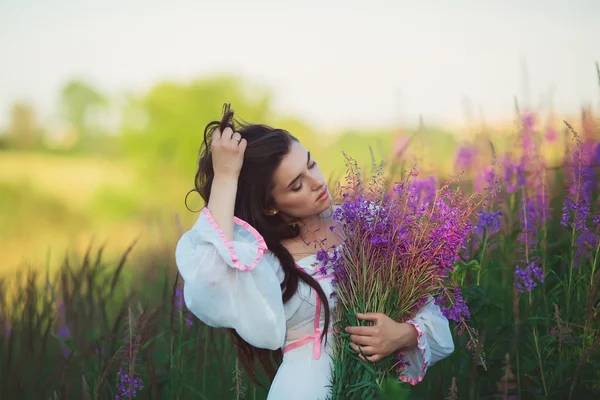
[{"x": 324, "y": 206}]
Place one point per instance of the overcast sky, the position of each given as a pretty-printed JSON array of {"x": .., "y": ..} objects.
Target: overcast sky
[{"x": 330, "y": 62}]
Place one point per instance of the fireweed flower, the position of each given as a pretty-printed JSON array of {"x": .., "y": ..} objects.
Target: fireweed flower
[
  {"x": 526, "y": 137},
  {"x": 465, "y": 157},
  {"x": 528, "y": 278},
  {"x": 528, "y": 120},
  {"x": 596, "y": 155},
  {"x": 423, "y": 190},
  {"x": 551, "y": 134},
  {"x": 530, "y": 217},
  {"x": 486, "y": 180},
  {"x": 323, "y": 259},
  {"x": 421, "y": 227},
  {"x": 179, "y": 305},
  {"x": 454, "y": 308},
  {"x": 127, "y": 385},
  {"x": 514, "y": 174},
  {"x": 520, "y": 171},
  {"x": 63, "y": 331},
  {"x": 398, "y": 251},
  {"x": 489, "y": 222},
  {"x": 128, "y": 380},
  {"x": 577, "y": 205}
]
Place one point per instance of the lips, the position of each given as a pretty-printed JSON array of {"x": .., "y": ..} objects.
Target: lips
[{"x": 322, "y": 195}]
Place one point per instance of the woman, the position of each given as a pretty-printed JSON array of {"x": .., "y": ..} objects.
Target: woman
[{"x": 248, "y": 265}]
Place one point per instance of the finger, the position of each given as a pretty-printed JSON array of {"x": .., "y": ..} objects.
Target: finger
[
  {"x": 374, "y": 358},
  {"x": 370, "y": 359},
  {"x": 362, "y": 340},
  {"x": 364, "y": 350},
  {"x": 361, "y": 330},
  {"x": 227, "y": 133},
  {"x": 375, "y": 317},
  {"x": 236, "y": 138},
  {"x": 359, "y": 351},
  {"x": 242, "y": 145},
  {"x": 216, "y": 136}
]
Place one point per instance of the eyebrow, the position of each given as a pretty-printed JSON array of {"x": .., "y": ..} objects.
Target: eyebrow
[{"x": 299, "y": 175}]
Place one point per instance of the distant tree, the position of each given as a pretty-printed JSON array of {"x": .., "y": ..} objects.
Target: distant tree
[
  {"x": 83, "y": 107},
  {"x": 166, "y": 125},
  {"x": 23, "y": 131}
]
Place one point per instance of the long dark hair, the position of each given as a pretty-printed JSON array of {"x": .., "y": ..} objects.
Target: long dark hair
[{"x": 266, "y": 148}]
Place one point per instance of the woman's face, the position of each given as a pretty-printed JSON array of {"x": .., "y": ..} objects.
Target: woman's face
[{"x": 300, "y": 190}]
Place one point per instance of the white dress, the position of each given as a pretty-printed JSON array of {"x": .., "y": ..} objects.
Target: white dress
[{"x": 236, "y": 284}]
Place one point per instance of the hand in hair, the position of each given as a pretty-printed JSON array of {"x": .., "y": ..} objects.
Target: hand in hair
[{"x": 227, "y": 150}]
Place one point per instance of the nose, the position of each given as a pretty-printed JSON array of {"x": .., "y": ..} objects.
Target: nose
[{"x": 318, "y": 184}]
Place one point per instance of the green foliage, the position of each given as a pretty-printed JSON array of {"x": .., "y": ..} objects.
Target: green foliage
[
  {"x": 83, "y": 108},
  {"x": 116, "y": 204},
  {"x": 21, "y": 199},
  {"x": 67, "y": 335},
  {"x": 23, "y": 130},
  {"x": 543, "y": 345},
  {"x": 167, "y": 124}
]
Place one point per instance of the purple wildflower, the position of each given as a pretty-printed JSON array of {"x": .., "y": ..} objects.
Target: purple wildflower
[
  {"x": 465, "y": 157},
  {"x": 399, "y": 247},
  {"x": 525, "y": 279},
  {"x": 401, "y": 362},
  {"x": 322, "y": 256},
  {"x": 488, "y": 222},
  {"x": 551, "y": 134},
  {"x": 338, "y": 268},
  {"x": 486, "y": 180},
  {"x": 455, "y": 309},
  {"x": 596, "y": 155},
  {"x": 64, "y": 330},
  {"x": 179, "y": 305},
  {"x": 579, "y": 210},
  {"x": 531, "y": 218},
  {"x": 528, "y": 121},
  {"x": 577, "y": 205},
  {"x": 127, "y": 385},
  {"x": 322, "y": 270},
  {"x": 521, "y": 177},
  {"x": 585, "y": 242},
  {"x": 514, "y": 174},
  {"x": 423, "y": 190},
  {"x": 448, "y": 237}
]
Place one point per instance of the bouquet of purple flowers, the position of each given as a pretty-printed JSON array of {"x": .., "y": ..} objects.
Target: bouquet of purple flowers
[{"x": 398, "y": 250}]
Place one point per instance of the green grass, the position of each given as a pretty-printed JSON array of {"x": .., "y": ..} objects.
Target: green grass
[{"x": 539, "y": 346}]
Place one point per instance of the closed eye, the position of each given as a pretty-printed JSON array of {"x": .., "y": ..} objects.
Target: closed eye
[{"x": 299, "y": 187}]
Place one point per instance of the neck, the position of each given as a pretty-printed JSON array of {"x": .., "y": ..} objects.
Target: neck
[{"x": 316, "y": 226}]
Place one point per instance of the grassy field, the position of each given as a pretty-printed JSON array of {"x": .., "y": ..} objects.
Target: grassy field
[
  {"x": 52, "y": 204},
  {"x": 107, "y": 317}
]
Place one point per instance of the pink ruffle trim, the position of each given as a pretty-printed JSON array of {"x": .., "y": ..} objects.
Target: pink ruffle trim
[
  {"x": 422, "y": 348},
  {"x": 262, "y": 247}
]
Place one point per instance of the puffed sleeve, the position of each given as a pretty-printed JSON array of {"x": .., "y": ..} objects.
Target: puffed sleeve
[
  {"x": 232, "y": 284},
  {"x": 434, "y": 343}
]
